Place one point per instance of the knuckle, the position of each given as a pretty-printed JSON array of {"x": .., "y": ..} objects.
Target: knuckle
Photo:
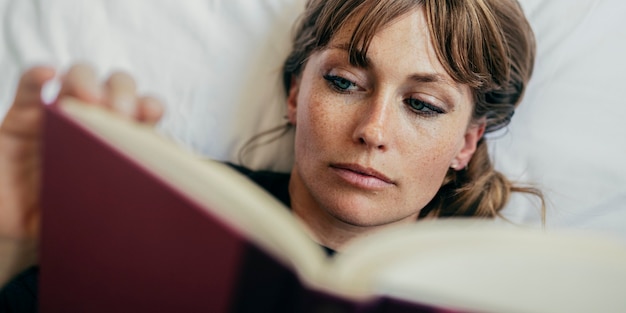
[{"x": 121, "y": 79}]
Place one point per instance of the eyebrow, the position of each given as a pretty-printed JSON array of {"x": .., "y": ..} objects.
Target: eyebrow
[
  {"x": 417, "y": 77},
  {"x": 346, "y": 47}
]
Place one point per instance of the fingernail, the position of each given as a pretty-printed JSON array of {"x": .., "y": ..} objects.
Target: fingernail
[{"x": 50, "y": 90}]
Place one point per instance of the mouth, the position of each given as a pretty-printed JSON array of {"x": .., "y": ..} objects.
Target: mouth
[{"x": 361, "y": 176}]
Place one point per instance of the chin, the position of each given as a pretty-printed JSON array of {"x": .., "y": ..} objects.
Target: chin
[{"x": 360, "y": 214}]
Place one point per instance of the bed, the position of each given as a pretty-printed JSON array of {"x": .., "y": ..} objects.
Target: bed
[{"x": 216, "y": 64}]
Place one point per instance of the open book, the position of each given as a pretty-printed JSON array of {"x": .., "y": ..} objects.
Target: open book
[{"x": 134, "y": 223}]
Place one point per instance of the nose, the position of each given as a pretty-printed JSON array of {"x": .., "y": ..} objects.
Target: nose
[{"x": 374, "y": 124}]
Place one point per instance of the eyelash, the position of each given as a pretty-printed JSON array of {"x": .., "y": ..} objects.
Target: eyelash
[
  {"x": 416, "y": 106},
  {"x": 335, "y": 81},
  {"x": 423, "y": 107}
]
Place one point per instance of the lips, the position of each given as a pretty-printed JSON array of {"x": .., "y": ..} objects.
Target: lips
[{"x": 361, "y": 176}]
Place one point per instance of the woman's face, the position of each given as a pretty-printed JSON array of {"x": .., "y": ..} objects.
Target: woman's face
[{"x": 374, "y": 143}]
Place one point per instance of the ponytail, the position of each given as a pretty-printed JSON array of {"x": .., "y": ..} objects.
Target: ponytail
[{"x": 477, "y": 191}]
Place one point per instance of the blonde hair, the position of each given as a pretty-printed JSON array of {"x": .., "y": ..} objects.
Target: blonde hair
[{"x": 485, "y": 44}]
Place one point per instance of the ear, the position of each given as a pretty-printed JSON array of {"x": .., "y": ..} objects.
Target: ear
[
  {"x": 292, "y": 100},
  {"x": 473, "y": 134}
]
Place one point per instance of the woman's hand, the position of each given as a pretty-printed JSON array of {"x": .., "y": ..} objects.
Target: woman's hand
[{"x": 20, "y": 141}]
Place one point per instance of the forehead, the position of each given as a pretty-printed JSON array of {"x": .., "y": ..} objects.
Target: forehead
[{"x": 404, "y": 45}]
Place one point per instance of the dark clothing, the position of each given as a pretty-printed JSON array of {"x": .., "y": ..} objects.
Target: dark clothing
[
  {"x": 20, "y": 294},
  {"x": 275, "y": 183}
]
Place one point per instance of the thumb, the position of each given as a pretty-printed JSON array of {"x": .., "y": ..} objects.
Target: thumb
[
  {"x": 23, "y": 118},
  {"x": 29, "y": 88}
]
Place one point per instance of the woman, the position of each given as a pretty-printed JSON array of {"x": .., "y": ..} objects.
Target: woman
[{"x": 389, "y": 99}]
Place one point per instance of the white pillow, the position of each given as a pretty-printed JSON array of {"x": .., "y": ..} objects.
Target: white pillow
[
  {"x": 216, "y": 64},
  {"x": 569, "y": 136}
]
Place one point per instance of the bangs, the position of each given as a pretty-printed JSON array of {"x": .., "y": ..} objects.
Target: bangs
[
  {"x": 374, "y": 16},
  {"x": 487, "y": 45},
  {"x": 368, "y": 17},
  {"x": 469, "y": 42},
  {"x": 463, "y": 35}
]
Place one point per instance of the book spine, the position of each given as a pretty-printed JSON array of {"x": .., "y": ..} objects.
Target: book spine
[
  {"x": 265, "y": 285},
  {"x": 393, "y": 305},
  {"x": 313, "y": 301}
]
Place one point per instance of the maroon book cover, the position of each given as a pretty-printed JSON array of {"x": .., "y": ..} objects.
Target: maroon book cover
[{"x": 117, "y": 238}]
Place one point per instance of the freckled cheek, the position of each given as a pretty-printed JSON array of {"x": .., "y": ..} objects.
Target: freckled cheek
[
  {"x": 430, "y": 157},
  {"x": 318, "y": 122}
]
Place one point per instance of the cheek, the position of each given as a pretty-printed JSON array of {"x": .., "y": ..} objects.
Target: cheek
[
  {"x": 429, "y": 161},
  {"x": 429, "y": 154},
  {"x": 318, "y": 123},
  {"x": 308, "y": 137}
]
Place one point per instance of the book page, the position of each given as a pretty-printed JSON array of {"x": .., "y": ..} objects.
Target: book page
[{"x": 480, "y": 266}]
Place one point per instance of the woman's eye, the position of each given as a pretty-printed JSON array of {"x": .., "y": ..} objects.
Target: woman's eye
[
  {"x": 422, "y": 107},
  {"x": 339, "y": 83}
]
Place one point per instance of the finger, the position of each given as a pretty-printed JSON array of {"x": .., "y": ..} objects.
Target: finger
[
  {"x": 150, "y": 110},
  {"x": 30, "y": 84},
  {"x": 81, "y": 82},
  {"x": 24, "y": 117},
  {"x": 121, "y": 94}
]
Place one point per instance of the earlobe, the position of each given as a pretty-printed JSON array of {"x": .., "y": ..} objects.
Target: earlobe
[
  {"x": 292, "y": 100},
  {"x": 472, "y": 136}
]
